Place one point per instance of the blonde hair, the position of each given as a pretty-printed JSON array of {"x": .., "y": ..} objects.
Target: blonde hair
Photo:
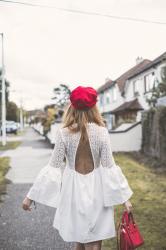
[{"x": 81, "y": 118}]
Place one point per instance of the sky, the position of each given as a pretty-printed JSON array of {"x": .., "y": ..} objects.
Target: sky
[{"x": 45, "y": 46}]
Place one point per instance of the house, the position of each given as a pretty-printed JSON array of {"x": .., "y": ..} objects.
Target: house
[
  {"x": 127, "y": 112},
  {"x": 109, "y": 98},
  {"x": 122, "y": 100},
  {"x": 112, "y": 96}
]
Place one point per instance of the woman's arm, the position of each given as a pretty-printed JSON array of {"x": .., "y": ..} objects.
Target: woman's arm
[
  {"x": 115, "y": 185},
  {"x": 26, "y": 204},
  {"x": 128, "y": 206},
  {"x": 47, "y": 177}
]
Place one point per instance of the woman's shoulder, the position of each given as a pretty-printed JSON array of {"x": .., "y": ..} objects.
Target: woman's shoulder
[
  {"x": 100, "y": 132},
  {"x": 92, "y": 126},
  {"x": 65, "y": 130},
  {"x": 96, "y": 126}
]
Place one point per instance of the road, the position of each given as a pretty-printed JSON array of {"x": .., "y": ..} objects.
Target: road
[{"x": 21, "y": 230}]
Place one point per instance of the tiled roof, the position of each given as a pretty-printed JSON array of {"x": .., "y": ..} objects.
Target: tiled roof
[
  {"x": 105, "y": 86},
  {"x": 128, "y": 106},
  {"x": 128, "y": 74},
  {"x": 156, "y": 61}
]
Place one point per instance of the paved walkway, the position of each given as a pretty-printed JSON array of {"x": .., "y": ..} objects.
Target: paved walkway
[{"x": 21, "y": 230}]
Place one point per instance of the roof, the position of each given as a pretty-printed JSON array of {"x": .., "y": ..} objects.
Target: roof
[
  {"x": 105, "y": 86},
  {"x": 133, "y": 105},
  {"x": 128, "y": 74},
  {"x": 153, "y": 63},
  {"x": 134, "y": 71}
]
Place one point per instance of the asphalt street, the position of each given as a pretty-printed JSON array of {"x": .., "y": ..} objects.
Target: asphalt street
[{"x": 21, "y": 230}]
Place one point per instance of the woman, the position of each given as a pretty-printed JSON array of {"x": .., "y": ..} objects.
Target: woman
[{"x": 91, "y": 184}]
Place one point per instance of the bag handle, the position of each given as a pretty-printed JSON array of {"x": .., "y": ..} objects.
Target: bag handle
[
  {"x": 131, "y": 218},
  {"x": 127, "y": 217}
]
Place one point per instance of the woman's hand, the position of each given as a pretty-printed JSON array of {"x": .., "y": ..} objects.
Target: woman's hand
[
  {"x": 128, "y": 206},
  {"x": 26, "y": 204}
]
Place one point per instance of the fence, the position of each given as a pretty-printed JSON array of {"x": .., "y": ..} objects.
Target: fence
[{"x": 125, "y": 139}]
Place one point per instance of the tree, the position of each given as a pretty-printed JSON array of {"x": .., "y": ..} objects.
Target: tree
[
  {"x": 155, "y": 94},
  {"x": 12, "y": 112},
  {"x": 50, "y": 117},
  {"x": 7, "y": 85},
  {"x": 61, "y": 95},
  {"x": 162, "y": 84},
  {"x": 158, "y": 90}
]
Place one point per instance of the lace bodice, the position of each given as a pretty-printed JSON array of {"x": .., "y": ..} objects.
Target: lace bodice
[
  {"x": 84, "y": 158},
  {"x": 67, "y": 146}
]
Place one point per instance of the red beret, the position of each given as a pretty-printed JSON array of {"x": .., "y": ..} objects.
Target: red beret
[{"x": 83, "y": 97}]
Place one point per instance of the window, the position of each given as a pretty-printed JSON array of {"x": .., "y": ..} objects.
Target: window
[
  {"x": 149, "y": 81},
  {"x": 101, "y": 99},
  {"x": 163, "y": 72},
  {"x": 135, "y": 87},
  {"x": 114, "y": 94},
  {"x": 136, "y": 84},
  {"x": 107, "y": 98}
]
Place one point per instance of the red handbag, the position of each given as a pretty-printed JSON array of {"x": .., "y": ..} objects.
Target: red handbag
[{"x": 128, "y": 234}]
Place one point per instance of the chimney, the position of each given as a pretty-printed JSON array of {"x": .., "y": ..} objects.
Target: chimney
[
  {"x": 107, "y": 79},
  {"x": 139, "y": 60}
]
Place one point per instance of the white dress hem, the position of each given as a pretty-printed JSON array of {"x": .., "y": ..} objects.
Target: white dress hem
[{"x": 90, "y": 239}]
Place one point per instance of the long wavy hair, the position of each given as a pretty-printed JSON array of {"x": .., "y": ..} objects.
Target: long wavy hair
[{"x": 80, "y": 118}]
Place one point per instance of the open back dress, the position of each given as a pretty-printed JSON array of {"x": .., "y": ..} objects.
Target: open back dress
[{"x": 86, "y": 191}]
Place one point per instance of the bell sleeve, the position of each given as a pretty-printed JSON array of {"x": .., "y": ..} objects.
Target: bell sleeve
[
  {"x": 116, "y": 189},
  {"x": 47, "y": 185}
]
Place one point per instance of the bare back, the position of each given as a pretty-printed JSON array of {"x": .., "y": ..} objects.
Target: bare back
[{"x": 84, "y": 160}]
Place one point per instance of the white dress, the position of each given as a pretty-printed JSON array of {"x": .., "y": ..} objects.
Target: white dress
[{"x": 85, "y": 202}]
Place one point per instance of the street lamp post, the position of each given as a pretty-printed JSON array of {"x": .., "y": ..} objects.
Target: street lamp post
[{"x": 3, "y": 94}]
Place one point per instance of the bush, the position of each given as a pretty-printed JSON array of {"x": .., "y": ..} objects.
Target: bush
[{"x": 154, "y": 133}]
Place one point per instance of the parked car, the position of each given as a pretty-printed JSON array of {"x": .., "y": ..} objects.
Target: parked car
[
  {"x": 18, "y": 125},
  {"x": 11, "y": 127}
]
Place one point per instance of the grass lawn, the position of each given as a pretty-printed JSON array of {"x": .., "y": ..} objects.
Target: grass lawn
[
  {"x": 19, "y": 133},
  {"x": 149, "y": 203},
  {"x": 10, "y": 145},
  {"x": 4, "y": 166}
]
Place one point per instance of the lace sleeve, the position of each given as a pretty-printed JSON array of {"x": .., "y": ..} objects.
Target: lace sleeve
[
  {"x": 107, "y": 159},
  {"x": 58, "y": 153}
]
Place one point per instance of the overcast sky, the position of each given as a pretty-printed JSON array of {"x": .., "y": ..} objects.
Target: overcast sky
[{"x": 45, "y": 46}]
